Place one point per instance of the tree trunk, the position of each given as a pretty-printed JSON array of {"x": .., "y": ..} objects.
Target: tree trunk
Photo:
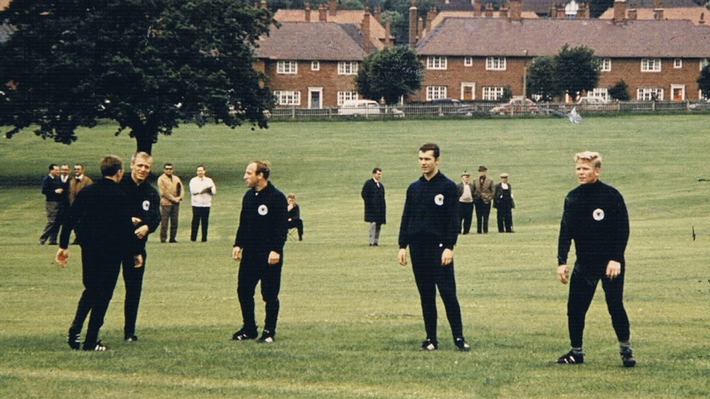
[{"x": 144, "y": 139}]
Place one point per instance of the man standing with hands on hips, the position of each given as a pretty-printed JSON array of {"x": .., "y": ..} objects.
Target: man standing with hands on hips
[
  {"x": 430, "y": 227},
  {"x": 595, "y": 217},
  {"x": 258, "y": 246}
]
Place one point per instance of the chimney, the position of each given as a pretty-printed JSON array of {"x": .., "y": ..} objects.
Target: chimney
[
  {"x": 388, "y": 33},
  {"x": 633, "y": 14},
  {"x": 477, "y": 9},
  {"x": 657, "y": 4},
  {"x": 516, "y": 13},
  {"x": 378, "y": 14},
  {"x": 333, "y": 11},
  {"x": 420, "y": 28},
  {"x": 619, "y": 11},
  {"x": 489, "y": 10},
  {"x": 366, "y": 31},
  {"x": 561, "y": 12},
  {"x": 583, "y": 11},
  {"x": 308, "y": 12},
  {"x": 658, "y": 14},
  {"x": 322, "y": 13},
  {"x": 702, "y": 19},
  {"x": 503, "y": 13},
  {"x": 412, "y": 24}
]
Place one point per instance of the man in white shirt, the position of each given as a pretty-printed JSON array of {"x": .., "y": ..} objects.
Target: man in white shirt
[
  {"x": 202, "y": 189},
  {"x": 466, "y": 192}
]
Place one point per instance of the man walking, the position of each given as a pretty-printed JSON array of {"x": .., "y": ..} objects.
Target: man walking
[
  {"x": 484, "y": 194},
  {"x": 144, "y": 202},
  {"x": 52, "y": 190},
  {"x": 258, "y": 247},
  {"x": 171, "y": 194},
  {"x": 430, "y": 227},
  {"x": 202, "y": 189},
  {"x": 373, "y": 193},
  {"x": 102, "y": 220},
  {"x": 595, "y": 217}
]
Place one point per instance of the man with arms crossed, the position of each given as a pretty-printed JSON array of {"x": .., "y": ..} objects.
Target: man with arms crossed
[
  {"x": 430, "y": 226},
  {"x": 595, "y": 217}
]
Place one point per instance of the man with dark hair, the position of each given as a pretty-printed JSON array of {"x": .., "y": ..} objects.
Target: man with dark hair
[
  {"x": 483, "y": 197},
  {"x": 595, "y": 217},
  {"x": 102, "y": 220},
  {"x": 373, "y": 193},
  {"x": 52, "y": 190},
  {"x": 430, "y": 227},
  {"x": 144, "y": 202},
  {"x": 202, "y": 189},
  {"x": 258, "y": 246}
]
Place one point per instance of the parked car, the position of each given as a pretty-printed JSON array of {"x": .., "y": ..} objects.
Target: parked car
[
  {"x": 703, "y": 104},
  {"x": 359, "y": 107},
  {"x": 592, "y": 103},
  {"x": 448, "y": 106},
  {"x": 516, "y": 105}
]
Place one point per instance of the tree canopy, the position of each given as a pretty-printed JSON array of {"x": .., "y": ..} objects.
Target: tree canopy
[
  {"x": 577, "y": 70},
  {"x": 390, "y": 74},
  {"x": 147, "y": 64},
  {"x": 542, "y": 78}
]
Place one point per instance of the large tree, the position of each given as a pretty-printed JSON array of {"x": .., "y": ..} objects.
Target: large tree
[
  {"x": 577, "y": 70},
  {"x": 542, "y": 80},
  {"x": 704, "y": 81},
  {"x": 390, "y": 74},
  {"x": 147, "y": 64}
]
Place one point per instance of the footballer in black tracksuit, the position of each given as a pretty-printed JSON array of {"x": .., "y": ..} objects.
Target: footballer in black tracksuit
[
  {"x": 144, "y": 202},
  {"x": 430, "y": 224},
  {"x": 595, "y": 217},
  {"x": 263, "y": 226}
]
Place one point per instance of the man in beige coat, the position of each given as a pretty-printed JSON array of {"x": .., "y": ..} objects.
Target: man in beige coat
[
  {"x": 483, "y": 197},
  {"x": 171, "y": 192}
]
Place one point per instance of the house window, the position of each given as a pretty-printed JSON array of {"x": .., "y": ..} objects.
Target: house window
[
  {"x": 600, "y": 92},
  {"x": 678, "y": 63},
  {"x": 344, "y": 96},
  {"x": 649, "y": 94},
  {"x": 467, "y": 61},
  {"x": 492, "y": 93},
  {"x": 704, "y": 63},
  {"x": 435, "y": 92},
  {"x": 651, "y": 65},
  {"x": 436, "y": 63},
  {"x": 495, "y": 63},
  {"x": 315, "y": 65},
  {"x": 606, "y": 64},
  {"x": 347, "y": 68},
  {"x": 287, "y": 97},
  {"x": 287, "y": 67}
]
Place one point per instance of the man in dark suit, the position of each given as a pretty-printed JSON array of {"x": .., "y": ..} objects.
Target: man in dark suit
[
  {"x": 482, "y": 202},
  {"x": 373, "y": 193}
]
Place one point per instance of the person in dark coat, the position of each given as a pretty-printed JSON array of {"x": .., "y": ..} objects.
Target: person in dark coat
[
  {"x": 294, "y": 215},
  {"x": 52, "y": 190},
  {"x": 504, "y": 203},
  {"x": 373, "y": 193},
  {"x": 101, "y": 217}
]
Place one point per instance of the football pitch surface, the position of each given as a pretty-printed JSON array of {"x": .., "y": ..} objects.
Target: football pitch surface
[{"x": 350, "y": 323}]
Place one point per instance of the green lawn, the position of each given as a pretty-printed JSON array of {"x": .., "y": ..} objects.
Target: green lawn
[{"x": 350, "y": 323}]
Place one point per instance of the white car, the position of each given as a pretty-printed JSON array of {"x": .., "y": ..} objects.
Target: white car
[
  {"x": 592, "y": 103},
  {"x": 359, "y": 107}
]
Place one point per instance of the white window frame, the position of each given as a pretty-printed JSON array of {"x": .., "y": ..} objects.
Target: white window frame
[
  {"x": 287, "y": 67},
  {"x": 678, "y": 63},
  {"x": 315, "y": 65},
  {"x": 468, "y": 61},
  {"x": 496, "y": 63},
  {"x": 600, "y": 92},
  {"x": 347, "y": 67},
  {"x": 651, "y": 65},
  {"x": 287, "y": 97},
  {"x": 493, "y": 93},
  {"x": 646, "y": 93},
  {"x": 606, "y": 64},
  {"x": 436, "y": 62},
  {"x": 435, "y": 92},
  {"x": 344, "y": 96}
]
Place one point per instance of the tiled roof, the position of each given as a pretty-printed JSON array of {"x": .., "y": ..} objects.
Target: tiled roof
[
  {"x": 690, "y": 13},
  {"x": 465, "y": 14},
  {"x": 323, "y": 41},
  {"x": 500, "y": 37}
]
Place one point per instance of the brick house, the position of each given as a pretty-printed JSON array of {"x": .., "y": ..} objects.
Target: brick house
[{"x": 477, "y": 58}]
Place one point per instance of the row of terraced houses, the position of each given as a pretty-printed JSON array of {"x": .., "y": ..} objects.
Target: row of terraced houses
[{"x": 312, "y": 59}]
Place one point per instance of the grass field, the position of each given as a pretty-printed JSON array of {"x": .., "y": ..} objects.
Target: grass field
[{"x": 350, "y": 323}]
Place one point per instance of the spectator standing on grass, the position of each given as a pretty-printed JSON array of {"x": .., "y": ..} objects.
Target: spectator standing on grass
[
  {"x": 171, "y": 193},
  {"x": 430, "y": 227},
  {"x": 294, "y": 215},
  {"x": 483, "y": 198},
  {"x": 258, "y": 246},
  {"x": 202, "y": 189},
  {"x": 466, "y": 191},
  {"x": 52, "y": 190},
  {"x": 595, "y": 217},
  {"x": 144, "y": 202},
  {"x": 101, "y": 217},
  {"x": 504, "y": 203},
  {"x": 79, "y": 181},
  {"x": 373, "y": 194}
]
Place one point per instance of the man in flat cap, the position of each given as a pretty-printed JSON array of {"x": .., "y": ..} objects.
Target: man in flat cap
[
  {"x": 482, "y": 199},
  {"x": 466, "y": 192},
  {"x": 504, "y": 204}
]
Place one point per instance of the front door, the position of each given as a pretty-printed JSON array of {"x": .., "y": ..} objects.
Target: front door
[
  {"x": 678, "y": 92},
  {"x": 314, "y": 97}
]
